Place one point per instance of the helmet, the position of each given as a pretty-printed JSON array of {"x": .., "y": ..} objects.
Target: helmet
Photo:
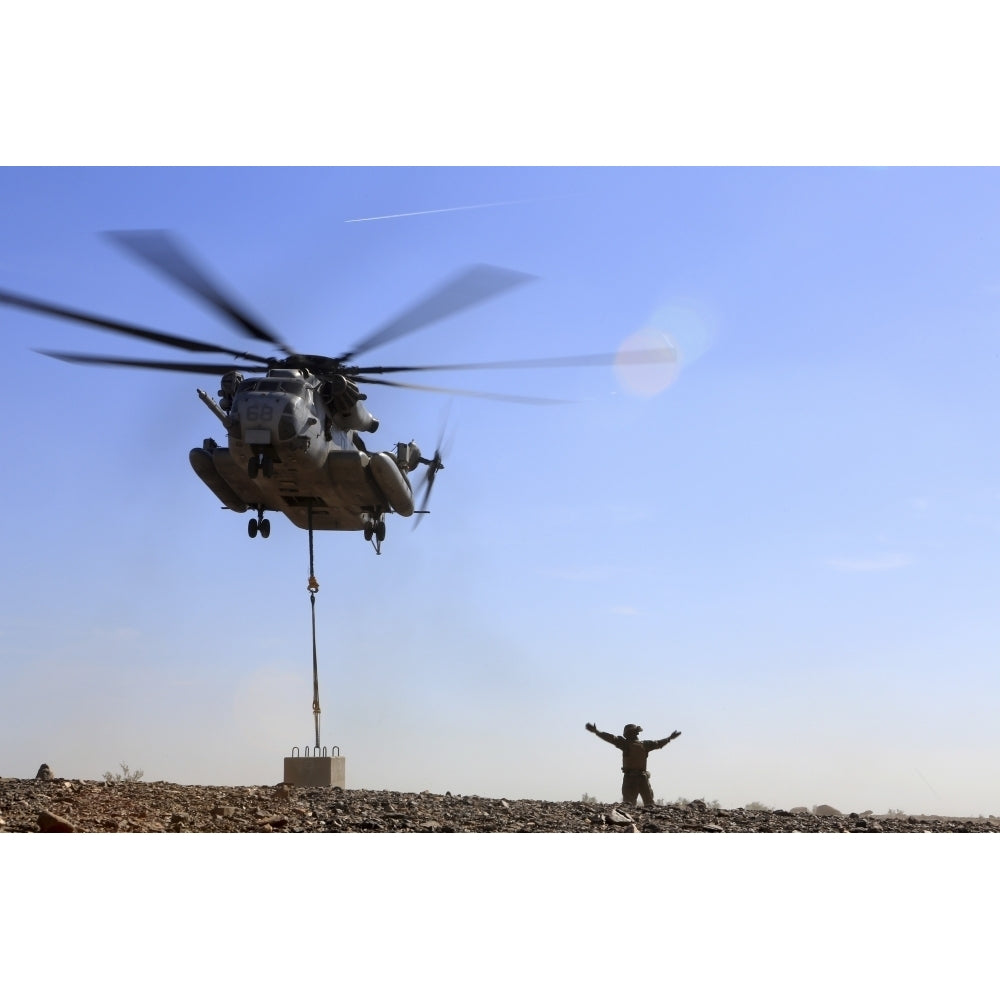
[{"x": 631, "y": 729}]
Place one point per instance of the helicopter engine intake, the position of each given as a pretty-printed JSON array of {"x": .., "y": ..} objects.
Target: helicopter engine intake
[{"x": 345, "y": 400}]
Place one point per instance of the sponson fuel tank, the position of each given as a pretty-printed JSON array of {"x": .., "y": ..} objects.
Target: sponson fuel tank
[
  {"x": 204, "y": 466},
  {"x": 391, "y": 482}
]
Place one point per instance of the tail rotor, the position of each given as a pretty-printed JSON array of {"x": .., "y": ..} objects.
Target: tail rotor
[{"x": 434, "y": 466}]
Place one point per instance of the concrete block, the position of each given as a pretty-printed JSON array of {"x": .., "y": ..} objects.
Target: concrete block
[{"x": 322, "y": 772}]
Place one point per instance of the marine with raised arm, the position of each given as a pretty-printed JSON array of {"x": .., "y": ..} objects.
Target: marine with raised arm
[{"x": 635, "y": 777}]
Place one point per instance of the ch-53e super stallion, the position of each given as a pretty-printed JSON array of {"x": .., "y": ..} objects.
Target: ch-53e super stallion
[{"x": 293, "y": 422}]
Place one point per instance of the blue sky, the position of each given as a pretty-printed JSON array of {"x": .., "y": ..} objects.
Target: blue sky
[{"x": 788, "y": 551}]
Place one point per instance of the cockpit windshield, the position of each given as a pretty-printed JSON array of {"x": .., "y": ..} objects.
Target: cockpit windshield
[{"x": 291, "y": 386}]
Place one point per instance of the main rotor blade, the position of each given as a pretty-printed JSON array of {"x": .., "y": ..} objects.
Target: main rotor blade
[
  {"x": 475, "y": 285},
  {"x": 167, "y": 366},
  {"x": 660, "y": 356},
  {"x": 102, "y": 322},
  {"x": 501, "y": 397},
  {"x": 158, "y": 249}
]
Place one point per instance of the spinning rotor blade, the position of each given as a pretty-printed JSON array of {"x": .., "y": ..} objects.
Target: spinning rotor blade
[
  {"x": 167, "y": 366},
  {"x": 664, "y": 355},
  {"x": 501, "y": 397},
  {"x": 144, "y": 333},
  {"x": 434, "y": 466},
  {"x": 658, "y": 356},
  {"x": 159, "y": 250},
  {"x": 469, "y": 288}
]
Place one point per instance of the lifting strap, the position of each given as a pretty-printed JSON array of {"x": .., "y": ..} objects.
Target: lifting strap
[{"x": 313, "y": 588}]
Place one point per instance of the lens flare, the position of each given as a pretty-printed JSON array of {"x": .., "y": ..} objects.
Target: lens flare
[
  {"x": 689, "y": 325},
  {"x": 676, "y": 335},
  {"x": 652, "y": 377}
]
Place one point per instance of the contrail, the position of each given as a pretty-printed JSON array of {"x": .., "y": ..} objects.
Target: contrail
[
  {"x": 926, "y": 782},
  {"x": 435, "y": 211}
]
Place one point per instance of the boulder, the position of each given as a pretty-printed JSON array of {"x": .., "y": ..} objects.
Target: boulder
[
  {"x": 826, "y": 811},
  {"x": 51, "y": 823}
]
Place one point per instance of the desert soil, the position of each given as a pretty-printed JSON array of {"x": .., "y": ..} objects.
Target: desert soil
[{"x": 79, "y": 806}]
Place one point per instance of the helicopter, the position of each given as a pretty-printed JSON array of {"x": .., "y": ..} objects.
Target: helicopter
[{"x": 293, "y": 422}]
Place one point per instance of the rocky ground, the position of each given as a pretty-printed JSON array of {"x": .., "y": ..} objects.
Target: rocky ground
[{"x": 56, "y": 805}]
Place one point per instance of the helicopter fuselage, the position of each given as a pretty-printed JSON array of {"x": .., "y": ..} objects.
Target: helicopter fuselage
[{"x": 293, "y": 447}]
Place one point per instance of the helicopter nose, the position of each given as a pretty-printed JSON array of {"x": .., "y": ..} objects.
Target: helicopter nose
[
  {"x": 291, "y": 422},
  {"x": 259, "y": 420}
]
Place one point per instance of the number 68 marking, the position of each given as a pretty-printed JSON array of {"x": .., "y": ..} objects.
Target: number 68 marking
[{"x": 260, "y": 411}]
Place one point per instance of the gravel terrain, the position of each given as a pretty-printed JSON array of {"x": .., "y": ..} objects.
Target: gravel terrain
[{"x": 59, "y": 805}]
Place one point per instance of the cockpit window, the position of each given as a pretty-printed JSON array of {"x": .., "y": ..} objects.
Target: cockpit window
[{"x": 292, "y": 386}]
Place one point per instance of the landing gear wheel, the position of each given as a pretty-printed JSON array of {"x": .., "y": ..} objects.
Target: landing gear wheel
[
  {"x": 252, "y": 466},
  {"x": 267, "y": 467},
  {"x": 265, "y": 528},
  {"x": 252, "y": 528},
  {"x": 380, "y": 531},
  {"x": 369, "y": 531}
]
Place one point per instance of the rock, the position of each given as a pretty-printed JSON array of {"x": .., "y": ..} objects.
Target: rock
[
  {"x": 162, "y": 807},
  {"x": 44, "y": 773},
  {"x": 826, "y": 811},
  {"x": 51, "y": 823},
  {"x": 273, "y": 821}
]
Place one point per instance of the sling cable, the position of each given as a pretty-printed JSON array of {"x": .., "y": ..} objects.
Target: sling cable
[{"x": 313, "y": 588}]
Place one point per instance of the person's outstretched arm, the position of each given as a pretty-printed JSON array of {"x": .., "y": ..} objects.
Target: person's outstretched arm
[
  {"x": 607, "y": 737},
  {"x": 666, "y": 740}
]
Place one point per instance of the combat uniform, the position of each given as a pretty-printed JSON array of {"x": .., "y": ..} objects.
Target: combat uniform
[{"x": 635, "y": 777}]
